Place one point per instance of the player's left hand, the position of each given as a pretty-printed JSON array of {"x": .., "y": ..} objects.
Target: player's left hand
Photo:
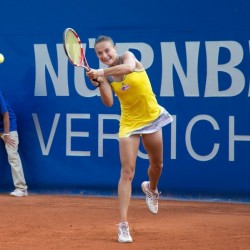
[{"x": 92, "y": 74}]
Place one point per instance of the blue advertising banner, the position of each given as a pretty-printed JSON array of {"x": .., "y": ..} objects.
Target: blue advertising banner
[{"x": 197, "y": 57}]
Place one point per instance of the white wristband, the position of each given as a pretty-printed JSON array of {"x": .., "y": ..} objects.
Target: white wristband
[
  {"x": 100, "y": 72},
  {"x": 5, "y": 134}
]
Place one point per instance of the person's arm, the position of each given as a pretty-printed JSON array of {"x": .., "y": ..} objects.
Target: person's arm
[
  {"x": 6, "y": 122},
  {"x": 105, "y": 90},
  {"x": 6, "y": 125},
  {"x": 129, "y": 65},
  {"x": 106, "y": 93}
]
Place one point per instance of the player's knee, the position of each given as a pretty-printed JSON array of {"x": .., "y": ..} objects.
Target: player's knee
[
  {"x": 127, "y": 174},
  {"x": 157, "y": 165}
]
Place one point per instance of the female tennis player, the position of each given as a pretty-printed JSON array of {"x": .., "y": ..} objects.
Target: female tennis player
[{"x": 141, "y": 117}]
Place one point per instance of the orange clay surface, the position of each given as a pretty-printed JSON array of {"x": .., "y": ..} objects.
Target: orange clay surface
[{"x": 44, "y": 222}]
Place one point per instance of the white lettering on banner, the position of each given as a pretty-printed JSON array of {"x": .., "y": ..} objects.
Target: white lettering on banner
[
  {"x": 59, "y": 80},
  {"x": 113, "y": 136},
  {"x": 170, "y": 61},
  {"x": 213, "y": 68},
  {"x": 189, "y": 82},
  {"x": 45, "y": 149},
  {"x": 43, "y": 62},
  {"x": 101, "y": 135},
  {"x": 71, "y": 134},
  {"x": 173, "y": 125},
  {"x": 189, "y": 142},
  {"x": 233, "y": 137}
]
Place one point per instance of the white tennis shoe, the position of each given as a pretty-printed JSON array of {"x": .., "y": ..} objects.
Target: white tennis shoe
[
  {"x": 19, "y": 193},
  {"x": 123, "y": 233},
  {"x": 151, "y": 197}
]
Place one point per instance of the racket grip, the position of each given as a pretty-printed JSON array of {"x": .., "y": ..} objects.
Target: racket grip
[{"x": 98, "y": 83}]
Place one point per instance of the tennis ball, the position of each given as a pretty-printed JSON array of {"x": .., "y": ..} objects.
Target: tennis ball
[{"x": 1, "y": 58}]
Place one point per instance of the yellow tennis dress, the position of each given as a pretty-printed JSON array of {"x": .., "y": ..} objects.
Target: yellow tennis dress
[{"x": 139, "y": 107}]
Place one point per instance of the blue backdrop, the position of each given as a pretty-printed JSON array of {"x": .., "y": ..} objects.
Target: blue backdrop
[{"x": 197, "y": 56}]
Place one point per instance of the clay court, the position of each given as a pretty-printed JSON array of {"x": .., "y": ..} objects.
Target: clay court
[{"x": 75, "y": 222}]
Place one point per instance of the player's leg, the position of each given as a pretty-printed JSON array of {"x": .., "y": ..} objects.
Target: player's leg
[
  {"x": 128, "y": 153},
  {"x": 153, "y": 144}
]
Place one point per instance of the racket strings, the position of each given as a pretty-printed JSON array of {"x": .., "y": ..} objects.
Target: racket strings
[{"x": 74, "y": 48}]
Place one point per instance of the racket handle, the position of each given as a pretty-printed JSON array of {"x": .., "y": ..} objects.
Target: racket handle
[{"x": 98, "y": 85}]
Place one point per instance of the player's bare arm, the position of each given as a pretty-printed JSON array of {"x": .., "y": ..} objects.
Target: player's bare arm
[
  {"x": 6, "y": 124},
  {"x": 105, "y": 89},
  {"x": 130, "y": 64},
  {"x": 106, "y": 92}
]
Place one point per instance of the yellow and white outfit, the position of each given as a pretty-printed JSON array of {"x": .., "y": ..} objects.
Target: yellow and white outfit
[{"x": 140, "y": 111}]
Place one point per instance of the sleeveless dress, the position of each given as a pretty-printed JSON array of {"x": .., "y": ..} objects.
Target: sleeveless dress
[{"x": 140, "y": 111}]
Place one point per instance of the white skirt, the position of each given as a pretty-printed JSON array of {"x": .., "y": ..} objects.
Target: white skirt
[{"x": 163, "y": 119}]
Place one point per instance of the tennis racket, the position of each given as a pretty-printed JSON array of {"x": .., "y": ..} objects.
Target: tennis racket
[{"x": 73, "y": 49}]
